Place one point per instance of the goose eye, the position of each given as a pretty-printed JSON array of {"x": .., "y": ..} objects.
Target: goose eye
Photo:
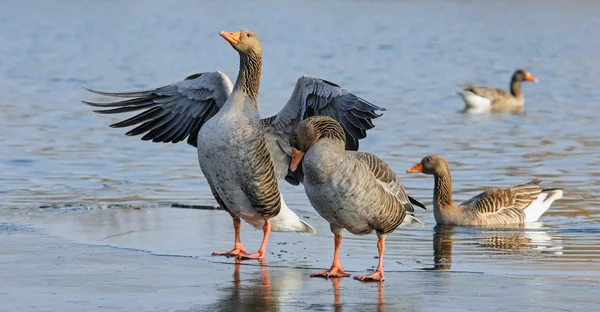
[{"x": 248, "y": 35}]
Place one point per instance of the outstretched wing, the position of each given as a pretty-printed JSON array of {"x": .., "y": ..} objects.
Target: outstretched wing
[
  {"x": 317, "y": 97},
  {"x": 173, "y": 112}
]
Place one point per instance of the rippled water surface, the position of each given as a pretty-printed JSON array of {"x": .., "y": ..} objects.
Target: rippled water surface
[{"x": 407, "y": 56}]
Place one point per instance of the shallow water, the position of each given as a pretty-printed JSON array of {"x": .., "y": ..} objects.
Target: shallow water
[{"x": 403, "y": 55}]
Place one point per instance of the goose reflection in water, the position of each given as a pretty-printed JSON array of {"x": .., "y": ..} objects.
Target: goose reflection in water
[
  {"x": 269, "y": 289},
  {"x": 337, "y": 294},
  {"x": 516, "y": 240},
  {"x": 246, "y": 294},
  {"x": 281, "y": 289}
]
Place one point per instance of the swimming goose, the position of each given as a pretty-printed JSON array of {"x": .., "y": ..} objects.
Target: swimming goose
[
  {"x": 500, "y": 206},
  {"x": 478, "y": 99},
  {"x": 241, "y": 155},
  {"x": 351, "y": 190}
]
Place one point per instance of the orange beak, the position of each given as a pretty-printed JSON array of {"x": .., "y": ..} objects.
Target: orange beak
[
  {"x": 232, "y": 37},
  {"x": 296, "y": 159},
  {"x": 416, "y": 169},
  {"x": 529, "y": 77}
]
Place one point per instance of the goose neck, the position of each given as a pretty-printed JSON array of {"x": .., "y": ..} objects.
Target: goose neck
[
  {"x": 442, "y": 192},
  {"x": 248, "y": 80}
]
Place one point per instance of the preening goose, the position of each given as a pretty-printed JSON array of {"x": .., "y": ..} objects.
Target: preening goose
[
  {"x": 501, "y": 206},
  {"x": 479, "y": 99},
  {"x": 241, "y": 155},
  {"x": 355, "y": 191}
]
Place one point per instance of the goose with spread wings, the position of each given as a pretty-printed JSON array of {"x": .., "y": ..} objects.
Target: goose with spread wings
[{"x": 242, "y": 155}]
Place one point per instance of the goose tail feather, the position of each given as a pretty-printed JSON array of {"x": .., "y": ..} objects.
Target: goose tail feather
[
  {"x": 537, "y": 208},
  {"x": 288, "y": 221}
]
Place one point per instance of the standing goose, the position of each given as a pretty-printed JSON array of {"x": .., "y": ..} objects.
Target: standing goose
[
  {"x": 351, "y": 190},
  {"x": 241, "y": 155},
  {"x": 501, "y": 206},
  {"x": 479, "y": 99}
]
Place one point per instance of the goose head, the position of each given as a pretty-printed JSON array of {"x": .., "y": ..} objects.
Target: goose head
[
  {"x": 243, "y": 41},
  {"x": 432, "y": 164},
  {"x": 522, "y": 75},
  {"x": 310, "y": 131}
]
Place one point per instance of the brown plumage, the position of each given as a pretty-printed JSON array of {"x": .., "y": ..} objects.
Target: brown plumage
[{"x": 501, "y": 206}]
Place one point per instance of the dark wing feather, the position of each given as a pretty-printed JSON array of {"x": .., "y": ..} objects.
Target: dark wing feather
[
  {"x": 317, "y": 97},
  {"x": 416, "y": 202},
  {"x": 173, "y": 112}
]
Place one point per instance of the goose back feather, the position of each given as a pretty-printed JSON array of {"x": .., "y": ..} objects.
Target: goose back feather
[
  {"x": 385, "y": 177},
  {"x": 513, "y": 205},
  {"x": 492, "y": 94}
]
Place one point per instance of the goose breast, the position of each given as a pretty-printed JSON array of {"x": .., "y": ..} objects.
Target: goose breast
[{"x": 228, "y": 158}]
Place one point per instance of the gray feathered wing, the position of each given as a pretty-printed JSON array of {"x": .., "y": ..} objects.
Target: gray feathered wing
[
  {"x": 316, "y": 97},
  {"x": 388, "y": 179},
  {"x": 173, "y": 112},
  {"x": 385, "y": 177}
]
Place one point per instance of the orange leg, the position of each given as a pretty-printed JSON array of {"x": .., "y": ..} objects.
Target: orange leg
[
  {"x": 263, "y": 247},
  {"x": 238, "y": 249},
  {"x": 378, "y": 274},
  {"x": 336, "y": 267}
]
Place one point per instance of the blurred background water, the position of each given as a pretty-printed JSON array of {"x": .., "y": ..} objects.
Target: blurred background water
[{"x": 407, "y": 56}]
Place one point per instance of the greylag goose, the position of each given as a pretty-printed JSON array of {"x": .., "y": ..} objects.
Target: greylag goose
[
  {"x": 478, "y": 99},
  {"x": 241, "y": 155},
  {"x": 355, "y": 191},
  {"x": 501, "y": 206}
]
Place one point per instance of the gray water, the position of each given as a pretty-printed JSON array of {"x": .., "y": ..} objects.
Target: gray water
[{"x": 407, "y": 56}]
